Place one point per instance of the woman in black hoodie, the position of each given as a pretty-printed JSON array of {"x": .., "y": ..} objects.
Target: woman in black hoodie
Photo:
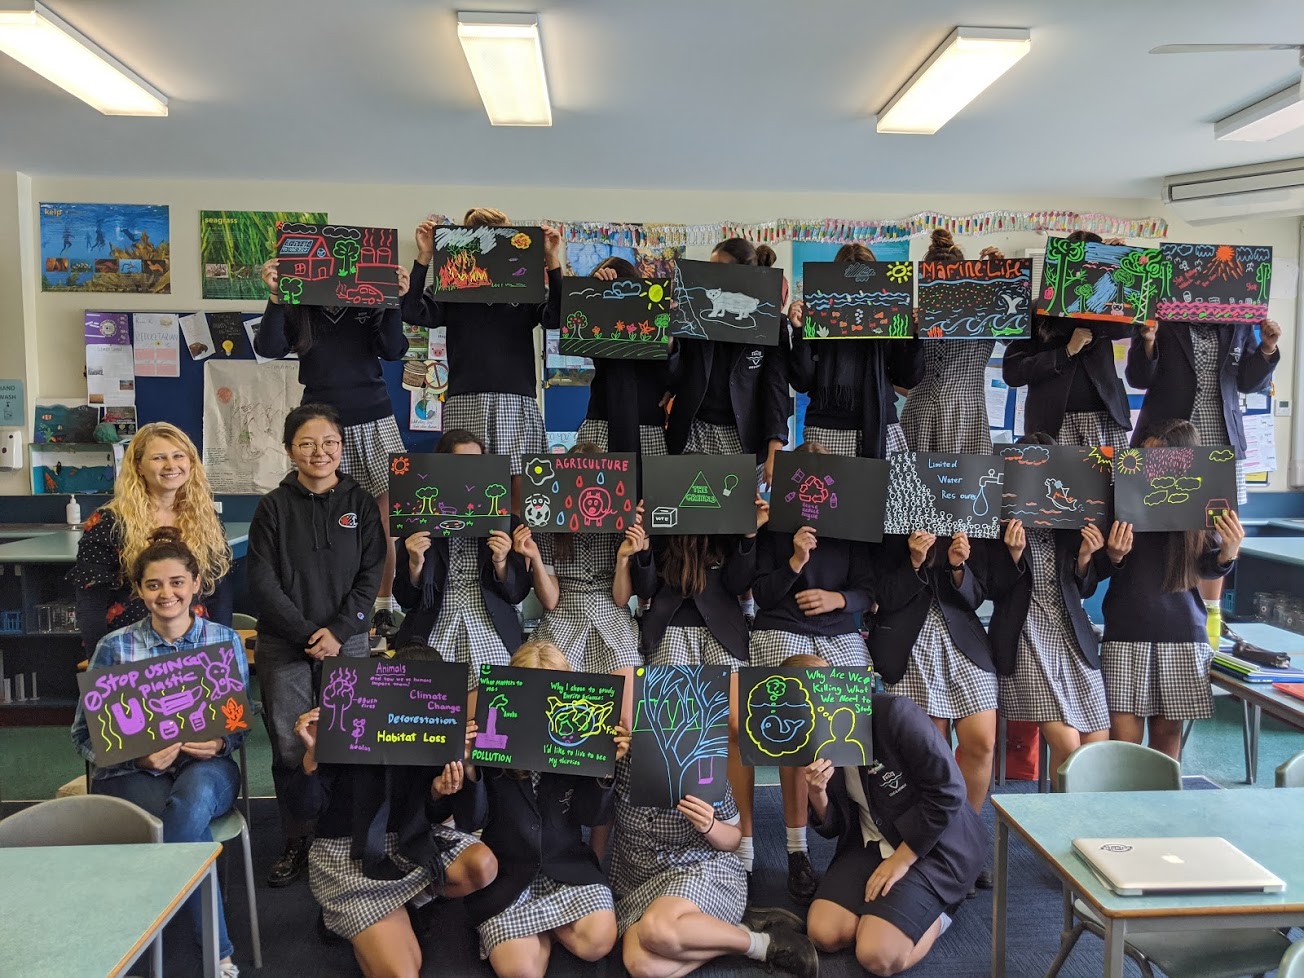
[{"x": 316, "y": 556}]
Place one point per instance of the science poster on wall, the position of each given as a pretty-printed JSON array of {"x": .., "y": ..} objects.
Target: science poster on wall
[
  {"x": 234, "y": 245},
  {"x": 105, "y": 248}
]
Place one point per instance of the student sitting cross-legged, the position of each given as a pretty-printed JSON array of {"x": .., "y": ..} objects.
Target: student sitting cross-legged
[
  {"x": 909, "y": 847},
  {"x": 381, "y": 845}
]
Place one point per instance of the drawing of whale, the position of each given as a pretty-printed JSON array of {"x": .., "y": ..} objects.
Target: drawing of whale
[{"x": 777, "y": 730}]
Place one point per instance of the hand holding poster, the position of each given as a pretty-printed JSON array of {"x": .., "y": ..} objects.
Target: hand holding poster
[
  {"x": 138, "y": 708},
  {"x": 680, "y": 739},
  {"x": 841, "y": 498},
  {"x": 792, "y": 717},
  {"x": 547, "y": 720},
  {"x": 449, "y": 495},
  {"x": 391, "y": 711},
  {"x": 699, "y": 494},
  {"x": 1174, "y": 488},
  {"x": 579, "y": 493},
  {"x": 1056, "y": 486}
]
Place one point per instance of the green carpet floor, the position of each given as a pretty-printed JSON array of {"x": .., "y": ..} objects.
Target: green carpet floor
[{"x": 35, "y": 761}]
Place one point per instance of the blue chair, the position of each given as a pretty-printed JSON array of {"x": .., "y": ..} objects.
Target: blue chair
[{"x": 1292, "y": 962}]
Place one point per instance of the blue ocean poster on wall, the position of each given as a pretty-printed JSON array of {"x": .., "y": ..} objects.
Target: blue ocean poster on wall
[{"x": 105, "y": 248}]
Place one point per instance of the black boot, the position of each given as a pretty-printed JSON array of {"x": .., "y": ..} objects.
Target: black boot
[
  {"x": 793, "y": 953},
  {"x": 801, "y": 878},
  {"x": 292, "y": 864}
]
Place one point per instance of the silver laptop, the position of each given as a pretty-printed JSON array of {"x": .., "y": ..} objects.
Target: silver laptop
[{"x": 1137, "y": 867}]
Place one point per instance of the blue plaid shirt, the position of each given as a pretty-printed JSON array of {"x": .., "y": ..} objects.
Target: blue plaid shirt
[{"x": 138, "y": 642}]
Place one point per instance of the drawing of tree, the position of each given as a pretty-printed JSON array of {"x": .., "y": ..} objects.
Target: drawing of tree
[
  {"x": 1084, "y": 292},
  {"x": 291, "y": 289},
  {"x": 1061, "y": 253},
  {"x": 688, "y": 720},
  {"x": 494, "y": 492},
  {"x": 347, "y": 251},
  {"x": 426, "y": 496},
  {"x": 1263, "y": 275}
]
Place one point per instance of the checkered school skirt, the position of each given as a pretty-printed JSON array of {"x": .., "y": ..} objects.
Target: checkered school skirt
[
  {"x": 947, "y": 410},
  {"x": 350, "y": 900},
  {"x": 1052, "y": 682},
  {"x": 770, "y": 647},
  {"x": 705, "y": 438},
  {"x": 651, "y": 439},
  {"x": 367, "y": 448},
  {"x": 1207, "y": 410},
  {"x": 1092, "y": 428},
  {"x": 941, "y": 678},
  {"x": 693, "y": 646},
  {"x": 509, "y": 424},
  {"x": 848, "y": 441},
  {"x": 464, "y": 631},
  {"x": 1164, "y": 679},
  {"x": 544, "y": 905}
]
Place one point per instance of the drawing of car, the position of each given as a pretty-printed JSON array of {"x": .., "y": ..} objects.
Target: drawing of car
[{"x": 365, "y": 295}]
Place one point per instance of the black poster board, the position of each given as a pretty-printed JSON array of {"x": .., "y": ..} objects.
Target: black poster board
[
  {"x": 137, "y": 708},
  {"x": 945, "y": 494},
  {"x": 976, "y": 300},
  {"x": 625, "y": 319},
  {"x": 732, "y": 303},
  {"x": 1102, "y": 283},
  {"x": 1174, "y": 488},
  {"x": 488, "y": 265},
  {"x": 857, "y": 300},
  {"x": 1056, "y": 486},
  {"x": 1217, "y": 284},
  {"x": 547, "y": 720},
  {"x": 579, "y": 493},
  {"x": 680, "y": 740},
  {"x": 840, "y": 497},
  {"x": 229, "y": 336},
  {"x": 391, "y": 711},
  {"x": 699, "y": 494},
  {"x": 792, "y": 717},
  {"x": 449, "y": 495},
  {"x": 337, "y": 265}
]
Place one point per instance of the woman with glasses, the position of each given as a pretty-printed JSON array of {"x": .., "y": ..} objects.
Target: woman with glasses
[{"x": 316, "y": 554}]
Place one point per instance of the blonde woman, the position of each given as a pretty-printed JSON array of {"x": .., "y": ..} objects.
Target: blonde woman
[{"x": 162, "y": 483}]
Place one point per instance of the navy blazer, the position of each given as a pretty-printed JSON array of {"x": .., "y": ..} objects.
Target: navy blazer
[
  {"x": 916, "y": 795},
  {"x": 1011, "y": 589},
  {"x": 1169, "y": 377},
  {"x": 717, "y": 604},
  {"x": 904, "y": 595},
  {"x": 500, "y": 597},
  {"x": 834, "y": 565},
  {"x": 1046, "y": 369},
  {"x": 758, "y": 392},
  {"x": 532, "y": 835}
]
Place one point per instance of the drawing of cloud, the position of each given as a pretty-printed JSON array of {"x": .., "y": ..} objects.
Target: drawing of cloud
[
  {"x": 338, "y": 231},
  {"x": 623, "y": 289},
  {"x": 1222, "y": 455},
  {"x": 1027, "y": 454},
  {"x": 290, "y": 227}
]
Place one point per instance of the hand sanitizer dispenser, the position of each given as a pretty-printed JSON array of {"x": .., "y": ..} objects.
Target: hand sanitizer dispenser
[{"x": 73, "y": 512}]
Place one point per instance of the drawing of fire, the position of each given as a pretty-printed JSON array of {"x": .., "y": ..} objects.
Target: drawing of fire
[{"x": 461, "y": 271}]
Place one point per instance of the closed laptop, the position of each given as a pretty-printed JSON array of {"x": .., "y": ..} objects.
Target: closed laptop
[{"x": 1142, "y": 866}]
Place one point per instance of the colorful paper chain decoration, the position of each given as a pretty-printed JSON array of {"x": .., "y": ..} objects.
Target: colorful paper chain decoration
[{"x": 837, "y": 231}]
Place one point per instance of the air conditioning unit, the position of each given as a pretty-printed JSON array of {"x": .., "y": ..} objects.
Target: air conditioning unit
[{"x": 1211, "y": 196}]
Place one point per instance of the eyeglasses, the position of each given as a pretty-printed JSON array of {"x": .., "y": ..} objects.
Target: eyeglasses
[{"x": 331, "y": 446}]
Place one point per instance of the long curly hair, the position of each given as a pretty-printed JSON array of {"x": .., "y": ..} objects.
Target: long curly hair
[{"x": 133, "y": 509}]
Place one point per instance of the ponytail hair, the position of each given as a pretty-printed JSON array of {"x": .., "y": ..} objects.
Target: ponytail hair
[
  {"x": 164, "y": 544},
  {"x": 765, "y": 256}
]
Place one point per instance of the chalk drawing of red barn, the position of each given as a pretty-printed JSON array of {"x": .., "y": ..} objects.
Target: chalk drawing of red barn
[{"x": 310, "y": 255}]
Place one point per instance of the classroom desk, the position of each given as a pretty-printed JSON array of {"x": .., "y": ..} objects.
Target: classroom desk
[
  {"x": 1259, "y": 698},
  {"x": 140, "y": 888},
  {"x": 60, "y": 546},
  {"x": 1268, "y": 564},
  {"x": 1265, "y": 825}
]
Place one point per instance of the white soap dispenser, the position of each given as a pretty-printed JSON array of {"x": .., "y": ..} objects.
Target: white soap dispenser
[{"x": 73, "y": 511}]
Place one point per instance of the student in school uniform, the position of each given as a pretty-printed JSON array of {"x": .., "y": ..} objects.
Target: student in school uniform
[
  {"x": 493, "y": 377},
  {"x": 929, "y": 645},
  {"x": 626, "y": 411},
  {"x": 186, "y": 785},
  {"x": 681, "y": 892},
  {"x": 382, "y": 845},
  {"x": 1045, "y": 649},
  {"x": 460, "y": 592},
  {"x": 316, "y": 558},
  {"x": 339, "y": 350},
  {"x": 1074, "y": 392},
  {"x": 729, "y": 398},
  {"x": 946, "y": 411},
  {"x": 809, "y": 590},
  {"x": 550, "y": 887},
  {"x": 909, "y": 848},
  {"x": 852, "y": 408},
  {"x": 1156, "y": 654},
  {"x": 694, "y": 583}
]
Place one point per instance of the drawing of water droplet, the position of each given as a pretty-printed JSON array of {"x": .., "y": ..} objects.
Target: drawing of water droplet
[
  {"x": 569, "y": 502},
  {"x": 556, "y": 486},
  {"x": 602, "y": 478},
  {"x": 574, "y": 522}
]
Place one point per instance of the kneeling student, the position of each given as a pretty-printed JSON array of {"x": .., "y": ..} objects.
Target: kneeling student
[{"x": 909, "y": 846}]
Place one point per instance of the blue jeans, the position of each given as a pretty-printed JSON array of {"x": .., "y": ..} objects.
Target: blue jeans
[{"x": 186, "y": 799}]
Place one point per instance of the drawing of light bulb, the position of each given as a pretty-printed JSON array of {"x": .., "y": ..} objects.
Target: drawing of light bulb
[
  {"x": 730, "y": 484},
  {"x": 228, "y": 346}
]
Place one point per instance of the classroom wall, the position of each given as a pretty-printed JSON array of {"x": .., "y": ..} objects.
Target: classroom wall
[{"x": 41, "y": 333}]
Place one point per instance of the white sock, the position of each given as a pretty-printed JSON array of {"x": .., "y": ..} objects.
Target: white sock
[
  {"x": 759, "y": 943},
  {"x": 946, "y": 923},
  {"x": 796, "y": 839},
  {"x": 746, "y": 853},
  {"x": 749, "y": 606},
  {"x": 380, "y": 604}
]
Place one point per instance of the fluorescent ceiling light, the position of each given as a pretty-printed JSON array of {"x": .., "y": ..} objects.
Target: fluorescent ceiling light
[
  {"x": 50, "y": 47},
  {"x": 1274, "y": 116},
  {"x": 506, "y": 61},
  {"x": 953, "y": 76}
]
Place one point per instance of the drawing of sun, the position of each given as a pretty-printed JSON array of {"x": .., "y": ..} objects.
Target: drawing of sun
[
  {"x": 655, "y": 295},
  {"x": 520, "y": 240},
  {"x": 1128, "y": 461},
  {"x": 899, "y": 271},
  {"x": 1099, "y": 458}
]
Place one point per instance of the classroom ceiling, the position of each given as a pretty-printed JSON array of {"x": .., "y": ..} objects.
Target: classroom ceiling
[{"x": 663, "y": 94}]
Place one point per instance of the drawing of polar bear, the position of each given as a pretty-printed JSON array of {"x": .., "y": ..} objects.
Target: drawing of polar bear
[{"x": 736, "y": 304}]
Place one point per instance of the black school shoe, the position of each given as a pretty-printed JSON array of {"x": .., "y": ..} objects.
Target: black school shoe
[
  {"x": 765, "y": 919},
  {"x": 793, "y": 953},
  {"x": 382, "y": 623},
  {"x": 802, "y": 881},
  {"x": 292, "y": 864}
]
